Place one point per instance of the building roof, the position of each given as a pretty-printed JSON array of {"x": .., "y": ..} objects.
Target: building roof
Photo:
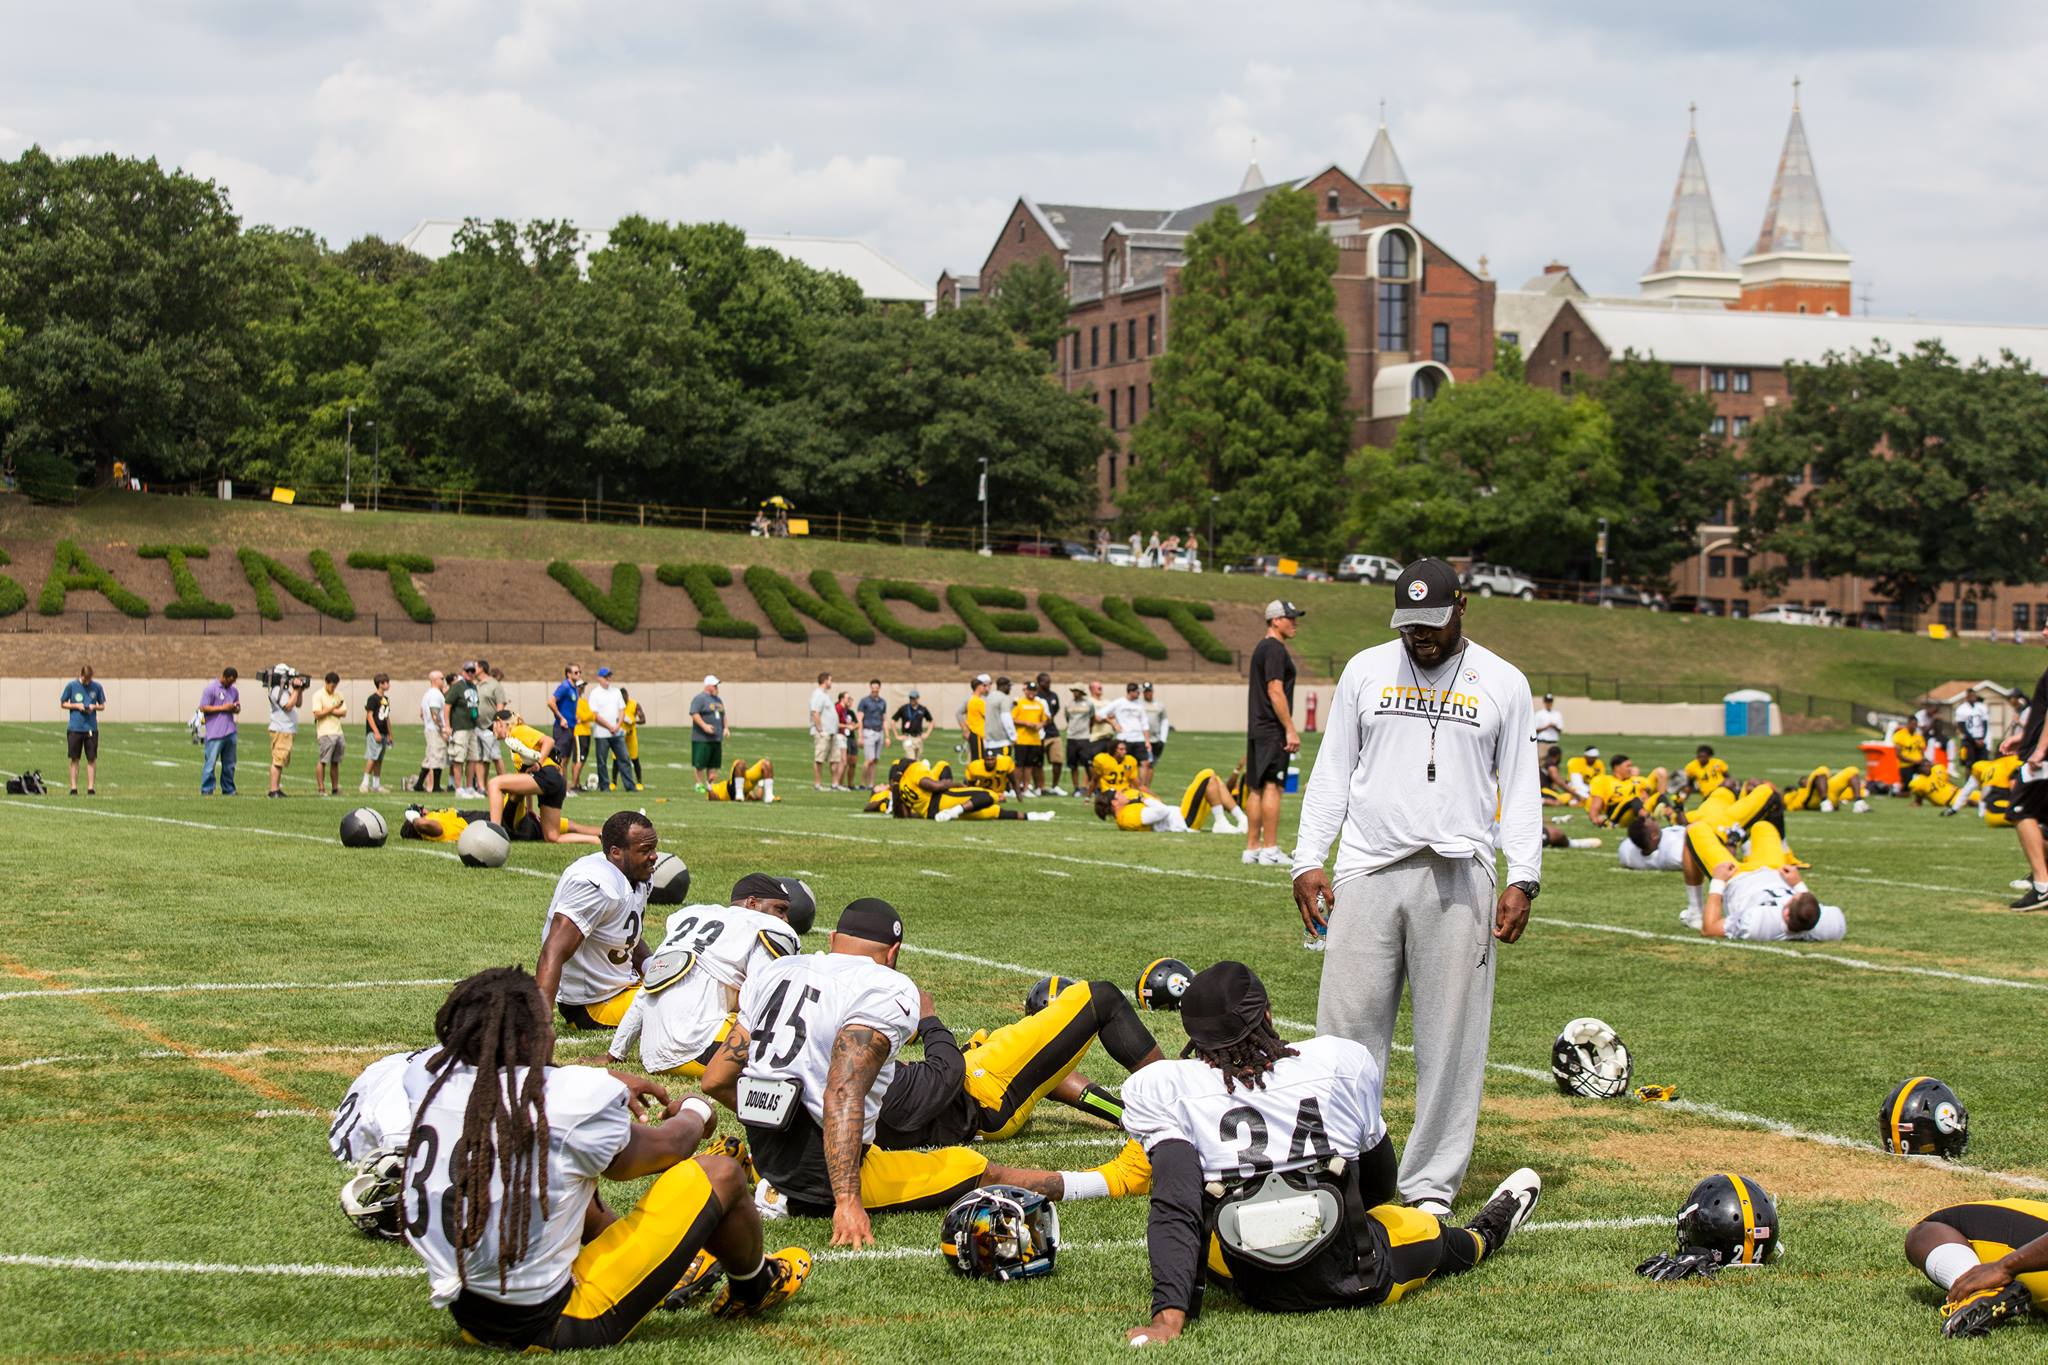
[
  {"x": 1382, "y": 164},
  {"x": 1079, "y": 227},
  {"x": 1692, "y": 233},
  {"x": 877, "y": 276},
  {"x": 1686, "y": 333},
  {"x": 1795, "y": 219}
]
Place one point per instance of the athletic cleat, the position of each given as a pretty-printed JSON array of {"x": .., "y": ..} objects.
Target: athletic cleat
[
  {"x": 1275, "y": 857},
  {"x": 1510, "y": 1205},
  {"x": 1689, "y": 917},
  {"x": 2019, "y": 884},
  {"x": 787, "y": 1270},
  {"x": 949, "y": 813},
  {"x": 1584, "y": 843},
  {"x": 1251, "y": 858},
  {"x": 1827, "y": 807},
  {"x": 735, "y": 1148},
  {"x": 1945, "y": 812},
  {"x": 1435, "y": 1208},
  {"x": 1986, "y": 1309},
  {"x": 1129, "y": 1172},
  {"x": 2033, "y": 898},
  {"x": 1861, "y": 807},
  {"x": 700, "y": 1279}
]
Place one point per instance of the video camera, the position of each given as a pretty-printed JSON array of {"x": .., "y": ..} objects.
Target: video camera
[{"x": 283, "y": 675}]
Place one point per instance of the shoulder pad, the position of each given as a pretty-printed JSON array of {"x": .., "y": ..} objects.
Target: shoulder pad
[
  {"x": 666, "y": 967},
  {"x": 779, "y": 943}
]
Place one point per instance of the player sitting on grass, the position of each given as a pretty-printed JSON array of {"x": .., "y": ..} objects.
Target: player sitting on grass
[
  {"x": 745, "y": 782},
  {"x": 1989, "y": 776},
  {"x": 1937, "y": 788},
  {"x": 925, "y": 791},
  {"x": 1619, "y": 797},
  {"x": 1823, "y": 791},
  {"x": 1704, "y": 775},
  {"x": 536, "y": 773},
  {"x": 591, "y": 949},
  {"x": 992, "y": 775},
  {"x": 1761, "y": 897},
  {"x": 1579, "y": 772},
  {"x": 1137, "y": 810},
  {"x": 1556, "y": 788},
  {"x": 1258, "y": 1147},
  {"x": 1990, "y": 1258},
  {"x": 501, "y": 1174},
  {"x": 1115, "y": 768},
  {"x": 986, "y": 1092},
  {"x": 808, "y": 1064}
]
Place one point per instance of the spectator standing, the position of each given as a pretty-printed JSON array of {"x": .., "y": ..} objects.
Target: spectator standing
[
  {"x": 490, "y": 696},
  {"x": 1080, "y": 721},
  {"x": 1101, "y": 727},
  {"x": 1422, "y": 778},
  {"x": 1128, "y": 716},
  {"x": 219, "y": 703},
  {"x": 1032, "y": 718},
  {"x": 1137, "y": 548},
  {"x": 874, "y": 729},
  {"x": 608, "y": 736},
  {"x": 707, "y": 733},
  {"x": 824, "y": 725},
  {"x": 285, "y": 699},
  {"x": 1270, "y": 736},
  {"x": 1193, "y": 549},
  {"x": 913, "y": 722},
  {"x": 1155, "y": 720},
  {"x": 82, "y": 701},
  {"x": 328, "y": 710},
  {"x": 562, "y": 711},
  {"x": 631, "y": 718},
  {"x": 1973, "y": 723},
  {"x": 844, "y": 742},
  {"x": 1102, "y": 545},
  {"x": 376, "y": 733},
  {"x": 434, "y": 721},
  {"x": 464, "y": 701},
  {"x": 999, "y": 725},
  {"x": 1152, "y": 560},
  {"x": 2030, "y": 794},
  {"x": 1548, "y": 722}
]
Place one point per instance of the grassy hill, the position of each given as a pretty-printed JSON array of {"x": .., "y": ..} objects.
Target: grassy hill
[{"x": 1575, "y": 649}]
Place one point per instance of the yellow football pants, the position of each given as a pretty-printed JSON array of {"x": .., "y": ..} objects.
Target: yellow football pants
[
  {"x": 1018, "y": 1064},
  {"x": 976, "y": 804},
  {"x": 1995, "y": 1226},
  {"x": 914, "y": 1180},
  {"x": 604, "y": 1014},
  {"x": 1194, "y": 802}
]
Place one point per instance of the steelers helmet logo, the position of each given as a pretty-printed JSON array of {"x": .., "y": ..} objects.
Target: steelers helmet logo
[
  {"x": 1177, "y": 984},
  {"x": 1417, "y": 590},
  {"x": 1947, "y": 1119}
]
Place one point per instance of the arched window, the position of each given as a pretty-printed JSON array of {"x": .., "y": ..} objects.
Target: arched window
[
  {"x": 1423, "y": 387},
  {"x": 1393, "y": 256}
]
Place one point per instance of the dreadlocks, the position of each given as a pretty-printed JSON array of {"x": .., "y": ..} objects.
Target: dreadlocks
[
  {"x": 1247, "y": 1061},
  {"x": 497, "y": 1023}
]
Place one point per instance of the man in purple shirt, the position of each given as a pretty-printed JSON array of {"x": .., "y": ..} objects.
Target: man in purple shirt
[{"x": 219, "y": 704}]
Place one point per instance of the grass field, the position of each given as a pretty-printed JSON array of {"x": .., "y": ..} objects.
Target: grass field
[{"x": 231, "y": 967}]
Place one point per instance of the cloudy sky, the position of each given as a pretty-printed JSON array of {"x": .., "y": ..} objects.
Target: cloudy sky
[{"x": 1532, "y": 130}]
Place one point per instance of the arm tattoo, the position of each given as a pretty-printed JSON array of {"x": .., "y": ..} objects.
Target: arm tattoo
[
  {"x": 858, "y": 1054},
  {"x": 735, "y": 1045}
]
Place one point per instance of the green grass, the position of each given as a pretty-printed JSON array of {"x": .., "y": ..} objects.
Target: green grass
[{"x": 138, "y": 1150}]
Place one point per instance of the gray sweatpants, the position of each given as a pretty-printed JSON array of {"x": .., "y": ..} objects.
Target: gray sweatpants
[{"x": 1426, "y": 920}]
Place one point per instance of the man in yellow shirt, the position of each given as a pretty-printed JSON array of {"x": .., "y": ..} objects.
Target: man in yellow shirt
[
  {"x": 1706, "y": 774},
  {"x": 992, "y": 777},
  {"x": 1031, "y": 715},
  {"x": 1618, "y": 798},
  {"x": 1912, "y": 749},
  {"x": 974, "y": 720},
  {"x": 1580, "y": 772},
  {"x": 631, "y": 718},
  {"x": 582, "y": 740}
]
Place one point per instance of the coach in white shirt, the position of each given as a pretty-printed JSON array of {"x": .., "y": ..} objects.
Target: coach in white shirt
[
  {"x": 1549, "y": 723},
  {"x": 1427, "y": 737}
]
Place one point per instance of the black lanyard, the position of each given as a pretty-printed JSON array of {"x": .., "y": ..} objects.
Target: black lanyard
[{"x": 1436, "y": 714}]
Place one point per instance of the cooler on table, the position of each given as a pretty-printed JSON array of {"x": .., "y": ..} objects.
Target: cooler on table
[{"x": 1880, "y": 762}]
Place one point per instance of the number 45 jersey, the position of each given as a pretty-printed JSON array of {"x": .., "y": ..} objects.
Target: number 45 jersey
[
  {"x": 1322, "y": 1103},
  {"x": 794, "y": 1007}
]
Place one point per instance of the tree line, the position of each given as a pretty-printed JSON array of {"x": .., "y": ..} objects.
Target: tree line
[{"x": 141, "y": 322}]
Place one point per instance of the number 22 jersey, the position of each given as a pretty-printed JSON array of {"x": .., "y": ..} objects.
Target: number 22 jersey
[{"x": 1322, "y": 1103}]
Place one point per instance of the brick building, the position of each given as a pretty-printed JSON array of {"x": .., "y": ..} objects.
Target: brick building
[{"x": 1414, "y": 316}]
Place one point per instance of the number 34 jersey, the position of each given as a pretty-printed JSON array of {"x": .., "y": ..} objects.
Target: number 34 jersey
[
  {"x": 1323, "y": 1103},
  {"x": 794, "y": 1007}
]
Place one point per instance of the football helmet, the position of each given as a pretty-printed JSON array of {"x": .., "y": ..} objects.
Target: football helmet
[
  {"x": 1163, "y": 982},
  {"x": 1043, "y": 994},
  {"x": 1590, "y": 1059},
  {"x": 1924, "y": 1117},
  {"x": 1732, "y": 1216},
  {"x": 1001, "y": 1232},
  {"x": 369, "y": 1198}
]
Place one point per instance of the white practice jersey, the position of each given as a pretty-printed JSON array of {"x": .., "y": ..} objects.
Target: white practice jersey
[
  {"x": 794, "y": 1007},
  {"x": 1669, "y": 857},
  {"x": 597, "y": 898},
  {"x": 373, "y": 1113},
  {"x": 1753, "y": 908},
  {"x": 588, "y": 1126},
  {"x": 1323, "y": 1103},
  {"x": 676, "y": 1017}
]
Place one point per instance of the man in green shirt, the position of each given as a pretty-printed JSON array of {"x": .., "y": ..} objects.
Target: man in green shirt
[{"x": 465, "y": 767}]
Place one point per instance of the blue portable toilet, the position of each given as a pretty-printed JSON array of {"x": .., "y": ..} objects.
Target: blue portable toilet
[{"x": 1747, "y": 712}]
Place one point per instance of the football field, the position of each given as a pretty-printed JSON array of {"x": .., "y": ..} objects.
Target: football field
[{"x": 187, "y": 987}]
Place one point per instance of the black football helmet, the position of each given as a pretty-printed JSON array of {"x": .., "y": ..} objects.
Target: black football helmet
[
  {"x": 1590, "y": 1059},
  {"x": 1924, "y": 1117},
  {"x": 369, "y": 1198},
  {"x": 1001, "y": 1232},
  {"x": 1733, "y": 1216},
  {"x": 1043, "y": 993},
  {"x": 1163, "y": 982}
]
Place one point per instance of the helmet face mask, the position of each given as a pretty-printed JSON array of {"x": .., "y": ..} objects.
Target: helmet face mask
[
  {"x": 1733, "y": 1216},
  {"x": 1589, "y": 1059},
  {"x": 369, "y": 1198},
  {"x": 1923, "y": 1117},
  {"x": 1002, "y": 1233}
]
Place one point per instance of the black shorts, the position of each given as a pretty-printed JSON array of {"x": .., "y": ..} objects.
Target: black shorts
[
  {"x": 1265, "y": 760},
  {"x": 553, "y": 784},
  {"x": 84, "y": 743},
  {"x": 1079, "y": 753},
  {"x": 1158, "y": 752},
  {"x": 2030, "y": 801},
  {"x": 974, "y": 745},
  {"x": 1031, "y": 755}
]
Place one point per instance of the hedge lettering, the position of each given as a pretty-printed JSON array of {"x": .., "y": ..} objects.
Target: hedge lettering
[
  {"x": 73, "y": 570},
  {"x": 1115, "y": 623},
  {"x": 329, "y": 596},
  {"x": 619, "y": 609},
  {"x": 1187, "y": 618},
  {"x": 702, "y": 582},
  {"x": 782, "y": 600},
  {"x": 1000, "y": 631},
  {"x": 13, "y": 597},
  {"x": 191, "y": 603},
  {"x": 874, "y": 595}
]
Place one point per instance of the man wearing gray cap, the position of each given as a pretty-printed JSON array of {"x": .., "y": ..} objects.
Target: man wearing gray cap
[
  {"x": 1270, "y": 737},
  {"x": 1425, "y": 772}
]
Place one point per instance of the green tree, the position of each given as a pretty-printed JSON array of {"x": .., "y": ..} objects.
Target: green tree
[
  {"x": 127, "y": 283},
  {"x": 1250, "y": 394},
  {"x": 1674, "y": 473},
  {"x": 1508, "y": 361},
  {"x": 1494, "y": 468},
  {"x": 1032, "y": 298},
  {"x": 1908, "y": 469}
]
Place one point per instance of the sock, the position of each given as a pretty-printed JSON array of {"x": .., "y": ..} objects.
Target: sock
[
  {"x": 767, "y": 789},
  {"x": 1584, "y": 843},
  {"x": 1103, "y": 1103},
  {"x": 1084, "y": 1185},
  {"x": 1948, "y": 1261},
  {"x": 1696, "y": 897},
  {"x": 1039, "y": 815},
  {"x": 751, "y": 1287}
]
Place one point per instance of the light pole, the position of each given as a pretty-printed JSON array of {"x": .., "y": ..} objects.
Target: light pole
[
  {"x": 983, "y": 495},
  {"x": 1214, "y": 498},
  {"x": 1601, "y": 546},
  {"x": 376, "y": 462},
  {"x": 348, "y": 462}
]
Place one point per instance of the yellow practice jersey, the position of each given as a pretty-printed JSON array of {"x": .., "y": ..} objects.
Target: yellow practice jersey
[
  {"x": 582, "y": 718},
  {"x": 742, "y": 782},
  {"x": 1615, "y": 792},
  {"x": 1707, "y": 777},
  {"x": 631, "y": 718},
  {"x": 1132, "y": 815},
  {"x": 991, "y": 777},
  {"x": 977, "y": 715},
  {"x": 451, "y": 821},
  {"x": 1587, "y": 768},
  {"x": 1996, "y": 772},
  {"x": 1112, "y": 775},
  {"x": 531, "y": 739},
  {"x": 1912, "y": 747},
  {"x": 915, "y": 800},
  {"x": 1030, "y": 716},
  {"x": 880, "y": 800},
  {"x": 1810, "y": 792},
  {"x": 1934, "y": 786}
]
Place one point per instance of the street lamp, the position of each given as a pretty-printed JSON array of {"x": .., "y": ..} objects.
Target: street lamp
[
  {"x": 983, "y": 495},
  {"x": 376, "y": 462},
  {"x": 1601, "y": 546},
  {"x": 1214, "y": 498},
  {"x": 348, "y": 462}
]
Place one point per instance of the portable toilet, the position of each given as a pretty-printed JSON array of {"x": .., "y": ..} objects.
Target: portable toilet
[{"x": 1747, "y": 712}]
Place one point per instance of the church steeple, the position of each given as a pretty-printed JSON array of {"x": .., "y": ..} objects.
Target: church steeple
[
  {"x": 1383, "y": 172},
  {"x": 1691, "y": 262},
  {"x": 1254, "y": 178},
  {"x": 1797, "y": 264}
]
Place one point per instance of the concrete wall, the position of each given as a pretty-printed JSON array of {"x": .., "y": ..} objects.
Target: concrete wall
[{"x": 1194, "y": 706}]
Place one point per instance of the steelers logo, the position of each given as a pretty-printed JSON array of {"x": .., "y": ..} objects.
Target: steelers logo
[
  {"x": 1176, "y": 985},
  {"x": 1946, "y": 1118},
  {"x": 1417, "y": 590}
]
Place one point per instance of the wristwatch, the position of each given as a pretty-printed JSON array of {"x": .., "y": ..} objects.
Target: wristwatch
[{"x": 1529, "y": 889}]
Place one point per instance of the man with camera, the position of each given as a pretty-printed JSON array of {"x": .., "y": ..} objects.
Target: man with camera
[{"x": 287, "y": 690}]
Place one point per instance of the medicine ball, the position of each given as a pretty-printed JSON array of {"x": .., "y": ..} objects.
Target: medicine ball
[
  {"x": 484, "y": 844},
  {"x": 362, "y": 828},
  {"x": 669, "y": 882}
]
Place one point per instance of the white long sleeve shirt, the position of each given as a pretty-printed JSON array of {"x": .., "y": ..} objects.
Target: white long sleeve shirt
[{"x": 1370, "y": 782}]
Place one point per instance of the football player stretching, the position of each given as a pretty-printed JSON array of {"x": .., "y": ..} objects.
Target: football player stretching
[{"x": 1991, "y": 1259}]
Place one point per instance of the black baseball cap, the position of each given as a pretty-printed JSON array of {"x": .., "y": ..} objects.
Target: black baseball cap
[
  {"x": 872, "y": 919},
  {"x": 803, "y": 906},
  {"x": 1222, "y": 1005},
  {"x": 1425, "y": 594}
]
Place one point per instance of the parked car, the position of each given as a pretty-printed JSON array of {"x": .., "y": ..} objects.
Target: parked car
[
  {"x": 1498, "y": 580},
  {"x": 1121, "y": 554},
  {"x": 1075, "y": 550},
  {"x": 1036, "y": 549},
  {"x": 1267, "y": 565},
  {"x": 1792, "y": 614},
  {"x": 1367, "y": 569},
  {"x": 1616, "y": 595}
]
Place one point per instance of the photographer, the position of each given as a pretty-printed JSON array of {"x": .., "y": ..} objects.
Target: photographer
[{"x": 287, "y": 691}]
